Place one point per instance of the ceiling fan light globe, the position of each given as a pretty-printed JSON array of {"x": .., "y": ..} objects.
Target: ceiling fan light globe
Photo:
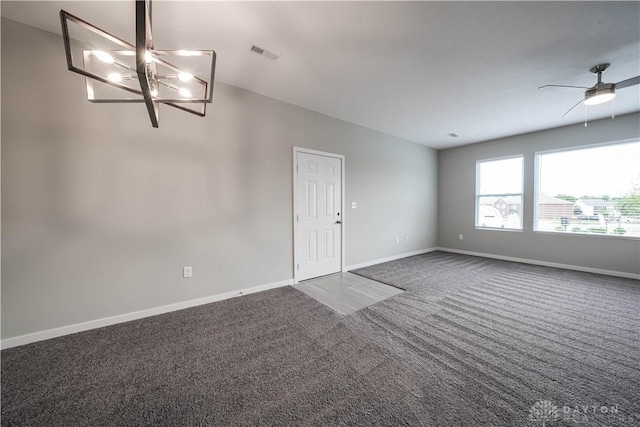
[
  {"x": 599, "y": 95},
  {"x": 599, "y": 99}
]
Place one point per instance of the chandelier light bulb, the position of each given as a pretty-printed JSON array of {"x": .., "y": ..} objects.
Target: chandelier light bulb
[
  {"x": 103, "y": 56},
  {"x": 148, "y": 57},
  {"x": 154, "y": 92},
  {"x": 115, "y": 77},
  {"x": 184, "y": 76},
  {"x": 185, "y": 92}
]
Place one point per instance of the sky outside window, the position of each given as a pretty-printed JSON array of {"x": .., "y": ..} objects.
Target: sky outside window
[
  {"x": 606, "y": 170},
  {"x": 500, "y": 176}
]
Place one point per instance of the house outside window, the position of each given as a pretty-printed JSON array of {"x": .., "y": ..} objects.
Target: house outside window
[
  {"x": 499, "y": 184},
  {"x": 593, "y": 190}
]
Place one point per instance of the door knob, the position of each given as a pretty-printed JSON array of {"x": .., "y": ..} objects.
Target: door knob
[{"x": 338, "y": 222}]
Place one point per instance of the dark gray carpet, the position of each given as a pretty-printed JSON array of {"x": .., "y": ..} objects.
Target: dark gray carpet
[
  {"x": 485, "y": 340},
  {"x": 273, "y": 358},
  {"x": 473, "y": 342}
]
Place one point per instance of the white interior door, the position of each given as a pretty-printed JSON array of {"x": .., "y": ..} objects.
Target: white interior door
[{"x": 318, "y": 213}]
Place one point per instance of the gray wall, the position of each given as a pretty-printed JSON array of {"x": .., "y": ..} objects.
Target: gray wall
[
  {"x": 100, "y": 211},
  {"x": 456, "y": 201}
]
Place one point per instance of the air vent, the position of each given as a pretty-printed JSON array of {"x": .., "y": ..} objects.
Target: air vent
[{"x": 263, "y": 52}]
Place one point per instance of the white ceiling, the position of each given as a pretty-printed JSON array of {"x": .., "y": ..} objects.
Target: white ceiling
[{"x": 416, "y": 70}]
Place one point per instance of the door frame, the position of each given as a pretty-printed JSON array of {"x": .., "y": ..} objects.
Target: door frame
[{"x": 297, "y": 150}]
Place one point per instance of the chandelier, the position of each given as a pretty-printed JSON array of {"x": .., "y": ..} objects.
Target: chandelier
[{"x": 117, "y": 71}]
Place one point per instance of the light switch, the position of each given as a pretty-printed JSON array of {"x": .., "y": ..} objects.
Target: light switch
[
  {"x": 187, "y": 272},
  {"x": 353, "y": 205}
]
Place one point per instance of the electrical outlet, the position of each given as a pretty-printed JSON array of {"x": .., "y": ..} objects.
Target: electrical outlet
[
  {"x": 397, "y": 240},
  {"x": 460, "y": 236},
  {"x": 354, "y": 205},
  {"x": 187, "y": 272}
]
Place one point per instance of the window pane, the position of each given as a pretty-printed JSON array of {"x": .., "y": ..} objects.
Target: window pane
[
  {"x": 590, "y": 190},
  {"x": 500, "y": 212},
  {"x": 500, "y": 176},
  {"x": 499, "y": 193}
]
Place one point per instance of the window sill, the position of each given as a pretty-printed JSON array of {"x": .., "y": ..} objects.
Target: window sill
[
  {"x": 517, "y": 230},
  {"x": 569, "y": 233}
]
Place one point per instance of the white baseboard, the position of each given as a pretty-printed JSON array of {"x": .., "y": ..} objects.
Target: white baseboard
[
  {"x": 107, "y": 321},
  {"x": 545, "y": 263},
  {"x": 391, "y": 258}
]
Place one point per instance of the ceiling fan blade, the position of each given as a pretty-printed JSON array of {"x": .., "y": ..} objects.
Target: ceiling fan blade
[
  {"x": 576, "y": 87},
  {"x": 579, "y": 102},
  {"x": 629, "y": 82}
]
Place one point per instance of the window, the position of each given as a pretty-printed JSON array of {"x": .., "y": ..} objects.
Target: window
[
  {"x": 589, "y": 190},
  {"x": 499, "y": 193}
]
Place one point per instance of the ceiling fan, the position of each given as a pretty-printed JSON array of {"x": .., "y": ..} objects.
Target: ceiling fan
[{"x": 601, "y": 92}]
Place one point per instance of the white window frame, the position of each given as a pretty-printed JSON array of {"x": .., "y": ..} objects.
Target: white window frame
[
  {"x": 478, "y": 195},
  {"x": 536, "y": 189}
]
